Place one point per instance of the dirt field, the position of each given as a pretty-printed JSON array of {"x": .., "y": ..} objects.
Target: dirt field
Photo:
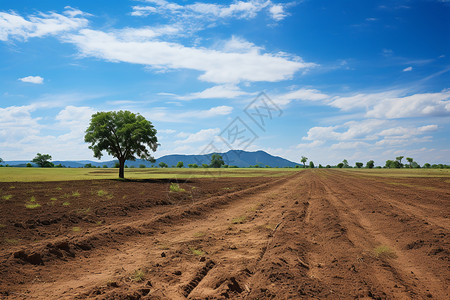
[{"x": 312, "y": 234}]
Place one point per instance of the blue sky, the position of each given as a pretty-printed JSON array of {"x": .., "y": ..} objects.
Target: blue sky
[{"x": 358, "y": 80}]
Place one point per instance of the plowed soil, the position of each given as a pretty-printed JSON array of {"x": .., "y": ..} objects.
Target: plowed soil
[{"x": 314, "y": 234}]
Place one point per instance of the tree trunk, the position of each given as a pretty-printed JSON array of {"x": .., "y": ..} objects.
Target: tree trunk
[{"x": 121, "y": 168}]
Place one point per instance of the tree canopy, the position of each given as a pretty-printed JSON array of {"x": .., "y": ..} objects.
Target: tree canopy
[
  {"x": 43, "y": 160},
  {"x": 303, "y": 160},
  {"x": 216, "y": 161},
  {"x": 121, "y": 134}
]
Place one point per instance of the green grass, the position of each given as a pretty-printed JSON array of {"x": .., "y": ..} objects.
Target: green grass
[
  {"x": 175, "y": 187},
  {"x": 239, "y": 220},
  {"x": 196, "y": 251},
  {"x": 6, "y": 197},
  {"x": 76, "y": 229},
  {"x": 32, "y": 204},
  {"x": 101, "y": 193},
  {"x": 67, "y": 174},
  {"x": 53, "y": 198},
  {"x": 138, "y": 276},
  {"x": 66, "y": 203},
  {"x": 76, "y": 194},
  {"x": 384, "y": 251}
]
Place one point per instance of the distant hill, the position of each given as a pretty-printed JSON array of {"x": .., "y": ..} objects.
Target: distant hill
[{"x": 237, "y": 158}]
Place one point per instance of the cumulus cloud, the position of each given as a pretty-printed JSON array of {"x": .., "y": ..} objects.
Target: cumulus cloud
[
  {"x": 164, "y": 115},
  {"x": 217, "y": 66},
  {"x": 300, "y": 95},
  {"x": 200, "y": 136},
  {"x": 33, "y": 79},
  {"x": 15, "y": 26}
]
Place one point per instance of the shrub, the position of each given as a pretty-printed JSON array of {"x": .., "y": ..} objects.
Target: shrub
[{"x": 175, "y": 187}]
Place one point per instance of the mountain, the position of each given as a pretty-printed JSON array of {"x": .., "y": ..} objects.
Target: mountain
[{"x": 239, "y": 158}]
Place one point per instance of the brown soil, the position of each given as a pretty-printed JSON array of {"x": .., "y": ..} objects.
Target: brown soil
[{"x": 315, "y": 234}]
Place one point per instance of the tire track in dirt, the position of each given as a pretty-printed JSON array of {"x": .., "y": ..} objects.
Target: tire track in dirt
[{"x": 419, "y": 279}]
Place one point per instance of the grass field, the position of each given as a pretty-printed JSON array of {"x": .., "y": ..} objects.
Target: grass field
[{"x": 65, "y": 174}]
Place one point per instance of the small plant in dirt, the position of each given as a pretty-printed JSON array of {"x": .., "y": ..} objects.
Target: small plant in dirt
[
  {"x": 175, "y": 187},
  {"x": 239, "y": 220},
  {"x": 58, "y": 188},
  {"x": 11, "y": 241},
  {"x": 76, "y": 229},
  {"x": 196, "y": 251},
  {"x": 76, "y": 194},
  {"x": 101, "y": 193},
  {"x": 99, "y": 222},
  {"x": 199, "y": 234},
  {"x": 53, "y": 199},
  {"x": 32, "y": 203},
  {"x": 384, "y": 251},
  {"x": 6, "y": 197},
  {"x": 138, "y": 276},
  {"x": 66, "y": 203},
  {"x": 2, "y": 226}
]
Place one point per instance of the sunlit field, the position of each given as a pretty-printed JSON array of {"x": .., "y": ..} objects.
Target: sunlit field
[{"x": 65, "y": 174}]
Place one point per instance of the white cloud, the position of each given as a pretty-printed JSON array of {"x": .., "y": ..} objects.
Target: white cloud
[
  {"x": 211, "y": 11},
  {"x": 217, "y": 66},
  {"x": 277, "y": 12},
  {"x": 200, "y": 136},
  {"x": 301, "y": 95},
  {"x": 417, "y": 105},
  {"x": 13, "y": 25},
  {"x": 407, "y": 69},
  {"x": 218, "y": 91},
  {"x": 349, "y": 145},
  {"x": 33, "y": 79}
]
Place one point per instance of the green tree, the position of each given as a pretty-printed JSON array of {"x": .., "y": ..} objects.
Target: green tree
[
  {"x": 121, "y": 134},
  {"x": 340, "y": 165},
  {"x": 359, "y": 165},
  {"x": 43, "y": 160},
  {"x": 105, "y": 166},
  {"x": 216, "y": 161},
  {"x": 29, "y": 165},
  {"x": 370, "y": 164},
  {"x": 193, "y": 166},
  {"x": 427, "y": 165},
  {"x": 180, "y": 164},
  {"x": 142, "y": 166},
  {"x": 205, "y": 166},
  {"x": 311, "y": 164},
  {"x": 410, "y": 160},
  {"x": 116, "y": 165},
  {"x": 345, "y": 163},
  {"x": 304, "y": 160},
  {"x": 399, "y": 160},
  {"x": 1, "y": 160},
  {"x": 163, "y": 165}
]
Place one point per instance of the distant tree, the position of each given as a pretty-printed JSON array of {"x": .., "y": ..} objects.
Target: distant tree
[
  {"x": 205, "y": 166},
  {"x": 88, "y": 166},
  {"x": 370, "y": 164},
  {"x": 267, "y": 166},
  {"x": 116, "y": 165},
  {"x": 121, "y": 134},
  {"x": 1, "y": 160},
  {"x": 142, "y": 166},
  {"x": 427, "y": 165},
  {"x": 105, "y": 166},
  {"x": 43, "y": 160},
  {"x": 311, "y": 164},
  {"x": 359, "y": 165},
  {"x": 180, "y": 164},
  {"x": 328, "y": 166},
  {"x": 399, "y": 160},
  {"x": 393, "y": 164},
  {"x": 320, "y": 166},
  {"x": 59, "y": 166},
  {"x": 340, "y": 165},
  {"x": 410, "y": 160},
  {"x": 225, "y": 166},
  {"x": 415, "y": 165},
  {"x": 304, "y": 160},
  {"x": 345, "y": 163},
  {"x": 216, "y": 161},
  {"x": 192, "y": 165},
  {"x": 29, "y": 165},
  {"x": 163, "y": 165}
]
